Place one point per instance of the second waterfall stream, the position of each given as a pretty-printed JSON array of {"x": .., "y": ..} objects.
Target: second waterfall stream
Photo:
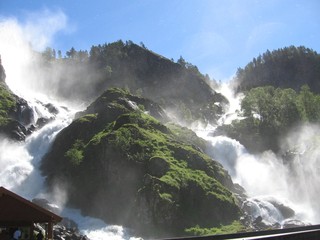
[{"x": 278, "y": 194}]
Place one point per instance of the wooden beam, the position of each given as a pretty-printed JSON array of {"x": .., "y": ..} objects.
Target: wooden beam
[
  {"x": 31, "y": 230},
  {"x": 50, "y": 231}
]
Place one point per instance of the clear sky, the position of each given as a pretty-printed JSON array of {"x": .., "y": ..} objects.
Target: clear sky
[{"x": 217, "y": 36}]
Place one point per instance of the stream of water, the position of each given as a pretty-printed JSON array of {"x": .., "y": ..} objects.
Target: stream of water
[{"x": 268, "y": 179}]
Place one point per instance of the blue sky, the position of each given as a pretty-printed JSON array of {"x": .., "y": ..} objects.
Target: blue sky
[{"x": 216, "y": 36}]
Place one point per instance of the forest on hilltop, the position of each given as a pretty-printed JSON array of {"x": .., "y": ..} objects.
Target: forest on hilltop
[
  {"x": 289, "y": 67},
  {"x": 281, "y": 91}
]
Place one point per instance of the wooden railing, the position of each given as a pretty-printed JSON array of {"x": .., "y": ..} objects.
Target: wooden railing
[{"x": 311, "y": 232}]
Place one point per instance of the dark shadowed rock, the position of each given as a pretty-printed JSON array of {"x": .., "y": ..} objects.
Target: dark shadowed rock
[
  {"x": 42, "y": 121},
  {"x": 51, "y": 108},
  {"x": 14, "y": 130},
  {"x": 291, "y": 223},
  {"x": 285, "y": 211},
  {"x": 157, "y": 166}
]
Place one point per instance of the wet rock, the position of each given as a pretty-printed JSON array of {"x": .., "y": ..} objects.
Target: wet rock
[
  {"x": 285, "y": 211},
  {"x": 259, "y": 224},
  {"x": 25, "y": 114},
  {"x": 276, "y": 226},
  {"x": 67, "y": 229},
  {"x": 43, "y": 121},
  {"x": 69, "y": 224},
  {"x": 51, "y": 108},
  {"x": 258, "y": 220},
  {"x": 14, "y": 130},
  {"x": 240, "y": 191},
  {"x": 291, "y": 223},
  {"x": 158, "y": 166}
]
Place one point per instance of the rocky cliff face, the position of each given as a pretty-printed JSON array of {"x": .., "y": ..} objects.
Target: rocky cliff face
[
  {"x": 16, "y": 116},
  {"x": 120, "y": 164},
  {"x": 12, "y": 111},
  {"x": 2, "y": 72},
  {"x": 176, "y": 87},
  {"x": 170, "y": 84}
]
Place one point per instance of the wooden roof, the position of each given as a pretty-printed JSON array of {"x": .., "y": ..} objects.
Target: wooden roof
[{"x": 16, "y": 211}]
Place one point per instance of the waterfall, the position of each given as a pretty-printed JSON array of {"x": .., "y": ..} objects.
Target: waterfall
[
  {"x": 20, "y": 172},
  {"x": 273, "y": 187},
  {"x": 279, "y": 190},
  {"x": 20, "y": 161}
]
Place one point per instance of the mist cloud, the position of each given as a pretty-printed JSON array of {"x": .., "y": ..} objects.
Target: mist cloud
[
  {"x": 303, "y": 162},
  {"x": 41, "y": 27},
  {"x": 20, "y": 40},
  {"x": 37, "y": 30}
]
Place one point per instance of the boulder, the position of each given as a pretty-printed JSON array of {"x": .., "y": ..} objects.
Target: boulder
[
  {"x": 14, "y": 130},
  {"x": 51, "y": 108},
  {"x": 285, "y": 211},
  {"x": 292, "y": 223}
]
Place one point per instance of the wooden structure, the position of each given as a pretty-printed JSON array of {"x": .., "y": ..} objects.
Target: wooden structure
[{"x": 16, "y": 211}]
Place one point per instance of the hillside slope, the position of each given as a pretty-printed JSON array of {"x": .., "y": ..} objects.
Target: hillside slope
[
  {"x": 178, "y": 87},
  {"x": 120, "y": 164}
]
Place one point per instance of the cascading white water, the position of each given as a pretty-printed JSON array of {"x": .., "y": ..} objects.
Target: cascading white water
[
  {"x": 269, "y": 180},
  {"x": 20, "y": 173},
  {"x": 20, "y": 161}
]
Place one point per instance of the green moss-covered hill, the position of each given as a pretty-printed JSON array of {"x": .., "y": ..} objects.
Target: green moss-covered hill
[{"x": 121, "y": 164}]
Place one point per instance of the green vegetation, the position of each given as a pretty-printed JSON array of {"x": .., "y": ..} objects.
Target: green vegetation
[
  {"x": 235, "y": 227},
  {"x": 88, "y": 118},
  {"x": 7, "y": 104},
  {"x": 281, "y": 108},
  {"x": 141, "y": 137},
  {"x": 75, "y": 154},
  {"x": 184, "y": 134},
  {"x": 289, "y": 67},
  {"x": 281, "y": 90},
  {"x": 270, "y": 113},
  {"x": 96, "y": 139}
]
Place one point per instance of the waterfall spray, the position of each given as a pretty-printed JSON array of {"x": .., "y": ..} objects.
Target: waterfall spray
[
  {"x": 279, "y": 190},
  {"x": 20, "y": 161}
]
